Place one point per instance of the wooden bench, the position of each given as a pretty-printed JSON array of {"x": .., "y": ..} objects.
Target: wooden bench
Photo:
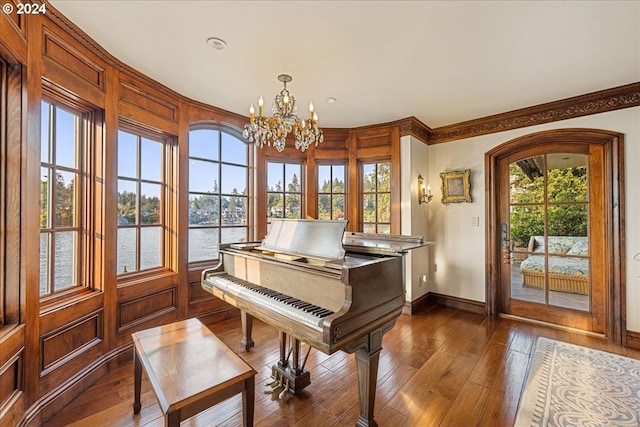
[{"x": 190, "y": 370}]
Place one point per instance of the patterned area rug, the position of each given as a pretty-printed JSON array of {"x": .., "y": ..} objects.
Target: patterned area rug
[{"x": 569, "y": 385}]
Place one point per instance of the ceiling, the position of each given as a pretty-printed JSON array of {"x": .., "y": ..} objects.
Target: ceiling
[{"x": 443, "y": 62}]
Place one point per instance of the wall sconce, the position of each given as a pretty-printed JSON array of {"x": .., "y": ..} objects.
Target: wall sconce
[{"x": 424, "y": 193}]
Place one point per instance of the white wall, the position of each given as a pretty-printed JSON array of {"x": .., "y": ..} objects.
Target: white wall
[
  {"x": 459, "y": 251},
  {"x": 414, "y": 216}
]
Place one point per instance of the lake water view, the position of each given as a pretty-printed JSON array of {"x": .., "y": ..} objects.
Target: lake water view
[{"x": 203, "y": 245}]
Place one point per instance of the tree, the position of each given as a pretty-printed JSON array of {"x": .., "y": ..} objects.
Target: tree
[
  {"x": 275, "y": 206},
  {"x": 292, "y": 198},
  {"x": 566, "y": 192}
]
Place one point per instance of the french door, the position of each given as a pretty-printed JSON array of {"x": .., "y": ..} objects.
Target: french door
[{"x": 553, "y": 247}]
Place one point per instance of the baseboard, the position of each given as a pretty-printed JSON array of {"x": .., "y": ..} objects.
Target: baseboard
[
  {"x": 418, "y": 304},
  {"x": 457, "y": 303},
  {"x": 633, "y": 340}
]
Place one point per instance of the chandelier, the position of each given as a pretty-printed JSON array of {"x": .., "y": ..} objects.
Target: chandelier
[{"x": 263, "y": 130}]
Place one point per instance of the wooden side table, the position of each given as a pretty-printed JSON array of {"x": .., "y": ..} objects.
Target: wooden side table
[{"x": 190, "y": 370}]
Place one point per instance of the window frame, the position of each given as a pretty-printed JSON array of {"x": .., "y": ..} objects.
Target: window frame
[
  {"x": 302, "y": 184},
  {"x": 86, "y": 141},
  {"x": 167, "y": 201},
  {"x": 250, "y": 221},
  {"x": 362, "y": 194},
  {"x": 331, "y": 193}
]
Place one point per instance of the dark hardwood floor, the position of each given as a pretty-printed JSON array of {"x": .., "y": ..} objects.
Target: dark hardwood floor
[{"x": 440, "y": 367}]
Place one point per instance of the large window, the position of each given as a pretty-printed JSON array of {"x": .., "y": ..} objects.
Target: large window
[
  {"x": 218, "y": 191},
  {"x": 62, "y": 197},
  {"x": 141, "y": 190},
  {"x": 376, "y": 197},
  {"x": 331, "y": 192},
  {"x": 284, "y": 190}
]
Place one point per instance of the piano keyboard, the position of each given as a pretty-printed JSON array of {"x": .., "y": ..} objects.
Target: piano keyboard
[{"x": 292, "y": 307}]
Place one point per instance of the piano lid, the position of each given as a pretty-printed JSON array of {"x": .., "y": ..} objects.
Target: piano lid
[
  {"x": 314, "y": 238},
  {"x": 382, "y": 244}
]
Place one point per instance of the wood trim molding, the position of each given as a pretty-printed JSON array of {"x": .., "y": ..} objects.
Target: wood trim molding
[
  {"x": 408, "y": 126},
  {"x": 420, "y": 303},
  {"x": 583, "y": 105},
  {"x": 431, "y": 299},
  {"x": 414, "y": 127},
  {"x": 633, "y": 340},
  {"x": 457, "y": 303}
]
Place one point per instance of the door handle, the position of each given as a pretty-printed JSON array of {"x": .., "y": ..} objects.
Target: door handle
[{"x": 506, "y": 252}]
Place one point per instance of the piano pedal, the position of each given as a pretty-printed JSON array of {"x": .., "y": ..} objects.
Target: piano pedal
[
  {"x": 284, "y": 391},
  {"x": 272, "y": 382},
  {"x": 278, "y": 384}
]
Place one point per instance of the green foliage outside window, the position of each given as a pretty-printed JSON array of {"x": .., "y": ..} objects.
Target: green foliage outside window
[{"x": 567, "y": 213}]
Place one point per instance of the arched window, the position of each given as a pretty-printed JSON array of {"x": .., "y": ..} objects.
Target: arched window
[{"x": 218, "y": 190}]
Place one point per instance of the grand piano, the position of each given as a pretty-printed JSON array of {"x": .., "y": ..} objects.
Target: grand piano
[{"x": 319, "y": 285}]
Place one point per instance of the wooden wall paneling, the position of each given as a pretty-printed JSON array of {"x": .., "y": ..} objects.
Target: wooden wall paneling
[
  {"x": 106, "y": 208},
  {"x": 10, "y": 381},
  {"x": 260, "y": 194},
  {"x": 71, "y": 66},
  {"x": 375, "y": 137},
  {"x": 30, "y": 210},
  {"x": 202, "y": 113},
  {"x": 70, "y": 340},
  {"x": 311, "y": 184},
  {"x": 13, "y": 34},
  {"x": 151, "y": 298},
  {"x": 181, "y": 211},
  {"x": 145, "y": 284},
  {"x": 12, "y": 402},
  {"x": 353, "y": 183},
  {"x": 138, "y": 310},
  {"x": 13, "y": 108},
  {"x": 147, "y": 106},
  {"x": 10, "y": 148},
  {"x": 334, "y": 139}
]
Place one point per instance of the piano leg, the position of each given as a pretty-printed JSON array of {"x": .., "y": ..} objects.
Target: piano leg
[
  {"x": 367, "y": 353},
  {"x": 367, "y": 369},
  {"x": 247, "y": 325}
]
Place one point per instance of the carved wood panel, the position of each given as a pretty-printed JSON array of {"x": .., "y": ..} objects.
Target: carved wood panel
[
  {"x": 10, "y": 379},
  {"x": 69, "y": 340},
  {"x": 135, "y": 311},
  {"x": 145, "y": 99},
  {"x": 56, "y": 49}
]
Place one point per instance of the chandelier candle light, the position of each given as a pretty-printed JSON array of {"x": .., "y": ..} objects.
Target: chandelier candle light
[{"x": 274, "y": 130}]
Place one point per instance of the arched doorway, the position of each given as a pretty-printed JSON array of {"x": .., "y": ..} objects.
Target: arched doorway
[{"x": 554, "y": 246}]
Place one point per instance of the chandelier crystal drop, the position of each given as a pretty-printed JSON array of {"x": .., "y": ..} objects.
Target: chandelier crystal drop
[{"x": 273, "y": 130}]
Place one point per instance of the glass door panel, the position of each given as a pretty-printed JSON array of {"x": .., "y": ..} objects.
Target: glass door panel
[{"x": 548, "y": 230}]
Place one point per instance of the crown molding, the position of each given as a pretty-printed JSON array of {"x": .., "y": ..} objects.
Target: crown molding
[{"x": 583, "y": 105}]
